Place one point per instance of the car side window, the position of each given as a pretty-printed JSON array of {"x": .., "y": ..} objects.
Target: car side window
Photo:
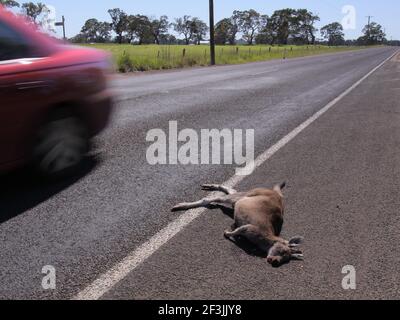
[{"x": 12, "y": 44}]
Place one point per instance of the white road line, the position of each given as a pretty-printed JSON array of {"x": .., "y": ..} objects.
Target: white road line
[{"x": 109, "y": 279}]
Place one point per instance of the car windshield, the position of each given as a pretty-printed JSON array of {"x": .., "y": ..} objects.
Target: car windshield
[{"x": 12, "y": 44}]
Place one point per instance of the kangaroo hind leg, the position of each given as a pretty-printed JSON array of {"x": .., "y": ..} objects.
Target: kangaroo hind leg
[{"x": 204, "y": 203}]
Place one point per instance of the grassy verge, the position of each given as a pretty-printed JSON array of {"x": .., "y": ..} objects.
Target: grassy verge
[{"x": 152, "y": 57}]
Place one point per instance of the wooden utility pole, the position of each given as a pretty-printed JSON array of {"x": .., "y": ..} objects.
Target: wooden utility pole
[
  {"x": 369, "y": 29},
  {"x": 62, "y": 24},
  {"x": 369, "y": 20},
  {"x": 369, "y": 24},
  {"x": 212, "y": 33}
]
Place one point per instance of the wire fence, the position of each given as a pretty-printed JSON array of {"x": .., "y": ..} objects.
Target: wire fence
[{"x": 152, "y": 57}]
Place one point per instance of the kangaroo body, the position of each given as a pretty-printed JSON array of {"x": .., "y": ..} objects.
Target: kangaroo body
[{"x": 259, "y": 217}]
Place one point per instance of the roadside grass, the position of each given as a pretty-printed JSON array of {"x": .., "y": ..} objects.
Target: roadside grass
[{"x": 131, "y": 58}]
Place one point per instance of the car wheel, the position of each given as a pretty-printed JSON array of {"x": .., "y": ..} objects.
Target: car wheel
[{"x": 61, "y": 145}]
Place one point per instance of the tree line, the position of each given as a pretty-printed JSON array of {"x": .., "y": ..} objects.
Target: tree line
[
  {"x": 37, "y": 12},
  {"x": 286, "y": 26},
  {"x": 142, "y": 29}
]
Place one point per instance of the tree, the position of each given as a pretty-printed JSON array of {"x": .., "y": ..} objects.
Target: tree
[
  {"x": 131, "y": 28},
  {"x": 249, "y": 22},
  {"x": 184, "y": 27},
  {"x": 303, "y": 26},
  {"x": 269, "y": 33},
  {"x": 279, "y": 27},
  {"x": 104, "y": 32},
  {"x": 34, "y": 11},
  {"x": 89, "y": 30},
  {"x": 95, "y": 31},
  {"x": 199, "y": 30},
  {"x": 40, "y": 15},
  {"x": 79, "y": 38},
  {"x": 266, "y": 34},
  {"x": 143, "y": 30},
  {"x": 284, "y": 20},
  {"x": 139, "y": 27},
  {"x": 9, "y": 3},
  {"x": 168, "y": 39},
  {"x": 119, "y": 22},
  {"x": 333, "y": 33},
  {"x": 222, "y": 31},
  {"x": 373, "y": 34},
  {"x": 159, "y": 27},
  {"x": 226, "y": 31}
]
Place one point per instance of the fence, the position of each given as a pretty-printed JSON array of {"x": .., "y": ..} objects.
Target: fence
[{"x": 153, "y": 57}]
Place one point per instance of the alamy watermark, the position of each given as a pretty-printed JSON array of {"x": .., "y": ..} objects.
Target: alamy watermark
[
  {"x": 349, "y": 280},
  {"x": 48, "y": 21},
  {"x": 49, "y": 280},
  {"x": 349, "y": 21},
  {"x": 208, "y": 146}
]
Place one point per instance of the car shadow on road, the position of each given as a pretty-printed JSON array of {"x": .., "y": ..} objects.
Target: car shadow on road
[{"x": 22, "y": 190}]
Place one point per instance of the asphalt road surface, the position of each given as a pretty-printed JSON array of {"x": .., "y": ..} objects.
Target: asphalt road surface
[{"x": 343, "y": 174}]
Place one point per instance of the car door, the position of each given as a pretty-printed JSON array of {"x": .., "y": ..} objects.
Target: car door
[{"x": 21, "y": 89}]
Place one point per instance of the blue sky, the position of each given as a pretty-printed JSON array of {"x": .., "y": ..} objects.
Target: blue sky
[{"x": 384, "y": 12}]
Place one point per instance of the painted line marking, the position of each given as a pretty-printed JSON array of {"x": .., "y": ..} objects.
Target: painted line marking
[{"x": 117, "y": 273}]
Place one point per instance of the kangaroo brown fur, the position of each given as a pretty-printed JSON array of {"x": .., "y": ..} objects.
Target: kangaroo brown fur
[{"x": 258, "y": 215}]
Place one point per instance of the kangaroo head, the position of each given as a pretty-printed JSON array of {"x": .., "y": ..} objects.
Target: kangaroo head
[{"x": 282, "y": 252}]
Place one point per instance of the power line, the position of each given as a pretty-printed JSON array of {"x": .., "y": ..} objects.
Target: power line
[
  {"x": 369, "y": 22},
  {"x": 369, "y": 27}
]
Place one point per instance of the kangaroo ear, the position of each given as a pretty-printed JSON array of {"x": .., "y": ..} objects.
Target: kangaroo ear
[{"x": 296, "y": 240}]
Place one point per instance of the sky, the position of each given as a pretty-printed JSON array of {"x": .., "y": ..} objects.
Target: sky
[{"x": 384, "y": 12}]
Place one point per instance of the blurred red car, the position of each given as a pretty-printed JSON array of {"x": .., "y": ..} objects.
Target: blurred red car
[{"x": 53, "y": 98}]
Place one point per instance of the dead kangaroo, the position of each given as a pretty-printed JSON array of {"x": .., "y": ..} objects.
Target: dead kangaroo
[{"x": 258, "y": 216}]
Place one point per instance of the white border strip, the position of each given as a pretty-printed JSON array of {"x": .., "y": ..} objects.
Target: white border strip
[{"x": 109, "y": 279}]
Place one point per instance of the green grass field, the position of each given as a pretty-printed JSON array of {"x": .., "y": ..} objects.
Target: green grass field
[{"x": 130, "y": 58}]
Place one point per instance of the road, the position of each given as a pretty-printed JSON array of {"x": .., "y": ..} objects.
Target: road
[{"x": 343, "y": 174}]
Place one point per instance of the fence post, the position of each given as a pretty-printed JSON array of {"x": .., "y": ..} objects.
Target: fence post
[
  {"x": 284, "y": 54},
  {"x": 184, "y": 53},
  {"x": 237, "y": 50}
]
